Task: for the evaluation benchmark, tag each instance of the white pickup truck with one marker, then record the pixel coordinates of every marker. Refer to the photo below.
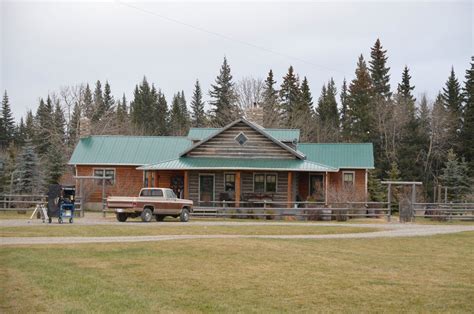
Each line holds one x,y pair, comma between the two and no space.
157,202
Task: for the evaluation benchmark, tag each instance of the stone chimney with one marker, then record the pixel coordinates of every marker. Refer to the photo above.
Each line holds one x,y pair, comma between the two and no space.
84,128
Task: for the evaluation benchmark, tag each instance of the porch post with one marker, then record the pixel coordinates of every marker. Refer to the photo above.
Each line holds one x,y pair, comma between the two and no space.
326,189
237,189
186,184
290,189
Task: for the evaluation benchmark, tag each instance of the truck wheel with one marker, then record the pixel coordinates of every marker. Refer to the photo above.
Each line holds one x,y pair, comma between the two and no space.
146,215
122,217
160,217
184,217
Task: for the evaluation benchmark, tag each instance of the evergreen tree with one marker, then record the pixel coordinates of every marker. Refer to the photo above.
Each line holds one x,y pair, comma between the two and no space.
98,102
30,125
327,107
289,96
405,88
148,115
26,182
55,163
467,133
122,111
379,71
359,104
374,187
44,126
455,176
271,110
7,128
345,117
108,99
10,165
161,114
74,126
59,123
198,115
88,103
224,97
452,98
303,112
177,117
20,134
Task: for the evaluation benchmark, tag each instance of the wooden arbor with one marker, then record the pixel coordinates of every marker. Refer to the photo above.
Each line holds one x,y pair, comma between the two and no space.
389,192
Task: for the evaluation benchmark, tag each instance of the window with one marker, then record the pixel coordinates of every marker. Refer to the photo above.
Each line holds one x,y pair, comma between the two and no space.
264,183
152,192
170,194
110,173
241,138
348,179
229,182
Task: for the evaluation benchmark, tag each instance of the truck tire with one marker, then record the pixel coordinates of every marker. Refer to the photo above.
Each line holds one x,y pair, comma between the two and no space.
122,217
159,217
146,215
184,217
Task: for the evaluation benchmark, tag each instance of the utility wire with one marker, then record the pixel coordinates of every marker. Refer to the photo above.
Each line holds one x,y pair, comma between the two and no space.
223,36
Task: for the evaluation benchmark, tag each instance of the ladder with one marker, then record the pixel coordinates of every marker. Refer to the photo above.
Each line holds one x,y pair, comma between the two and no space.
42,210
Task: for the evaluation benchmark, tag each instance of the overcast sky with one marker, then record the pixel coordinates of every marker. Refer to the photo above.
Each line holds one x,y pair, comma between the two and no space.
46,45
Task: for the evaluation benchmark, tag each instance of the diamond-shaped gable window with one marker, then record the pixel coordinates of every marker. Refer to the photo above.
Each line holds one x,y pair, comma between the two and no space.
241,138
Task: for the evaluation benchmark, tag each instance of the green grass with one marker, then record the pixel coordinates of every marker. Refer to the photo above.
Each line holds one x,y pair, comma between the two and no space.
420,274
168,229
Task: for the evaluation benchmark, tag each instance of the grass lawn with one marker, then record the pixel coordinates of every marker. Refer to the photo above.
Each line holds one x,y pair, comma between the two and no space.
167,229
419,274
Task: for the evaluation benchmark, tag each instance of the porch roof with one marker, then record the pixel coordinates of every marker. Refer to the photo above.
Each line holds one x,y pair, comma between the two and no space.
340,155
189,163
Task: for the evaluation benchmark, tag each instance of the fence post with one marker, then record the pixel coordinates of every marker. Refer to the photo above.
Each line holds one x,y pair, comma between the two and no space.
389,200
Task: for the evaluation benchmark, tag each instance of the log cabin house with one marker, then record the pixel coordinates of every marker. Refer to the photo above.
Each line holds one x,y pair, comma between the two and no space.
240,163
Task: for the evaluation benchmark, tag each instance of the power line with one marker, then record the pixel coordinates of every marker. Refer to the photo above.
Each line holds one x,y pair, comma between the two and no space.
226,37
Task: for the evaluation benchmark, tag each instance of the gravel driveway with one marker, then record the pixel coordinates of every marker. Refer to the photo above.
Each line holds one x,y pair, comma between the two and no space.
389,230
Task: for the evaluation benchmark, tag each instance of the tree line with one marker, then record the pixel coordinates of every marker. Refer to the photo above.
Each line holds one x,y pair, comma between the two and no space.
414,139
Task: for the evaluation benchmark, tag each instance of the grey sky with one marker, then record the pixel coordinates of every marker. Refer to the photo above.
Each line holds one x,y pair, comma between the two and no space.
46,45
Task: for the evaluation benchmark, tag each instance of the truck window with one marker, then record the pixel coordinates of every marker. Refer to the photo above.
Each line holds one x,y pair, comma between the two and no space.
145,193
170,194
157,193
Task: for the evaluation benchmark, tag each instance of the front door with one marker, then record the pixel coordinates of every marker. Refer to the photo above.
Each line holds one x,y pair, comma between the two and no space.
206,190
316,187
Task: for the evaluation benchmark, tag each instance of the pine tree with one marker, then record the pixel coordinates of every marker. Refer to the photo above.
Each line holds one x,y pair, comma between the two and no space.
30,125
161,114
198,115
10,166
271,110
405,88
20,134
55,164
289,97
8,123
224,97
88,103
360,105
176,116
147,112
327,107
44,126
394,172
28,177
374,187
467,133
59,123
303,112
379,71
98,102
452,98
455,177
122,111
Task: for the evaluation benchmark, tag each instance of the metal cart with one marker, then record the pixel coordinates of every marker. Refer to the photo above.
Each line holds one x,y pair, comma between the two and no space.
61,203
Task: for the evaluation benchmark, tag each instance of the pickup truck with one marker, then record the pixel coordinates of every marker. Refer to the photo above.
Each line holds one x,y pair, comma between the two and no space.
158,202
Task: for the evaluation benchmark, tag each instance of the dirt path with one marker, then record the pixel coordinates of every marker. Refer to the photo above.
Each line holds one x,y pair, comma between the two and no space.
391,230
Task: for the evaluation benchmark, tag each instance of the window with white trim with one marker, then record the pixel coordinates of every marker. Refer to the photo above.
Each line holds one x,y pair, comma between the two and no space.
348,179
110,173
229,182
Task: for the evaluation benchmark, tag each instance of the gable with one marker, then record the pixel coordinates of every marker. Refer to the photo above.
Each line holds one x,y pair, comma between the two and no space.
224,145
284,135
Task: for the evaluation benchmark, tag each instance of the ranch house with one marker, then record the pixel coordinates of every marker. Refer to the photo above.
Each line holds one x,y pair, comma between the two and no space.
239,163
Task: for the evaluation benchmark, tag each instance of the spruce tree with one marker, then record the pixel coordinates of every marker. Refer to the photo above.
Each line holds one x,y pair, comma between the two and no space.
108,99
122,111
98,102
467,133
30,125
345,117
327,107
303,112
8,123
198,115
26,182
224,109
55,163
271,110
20,134
289,97
88,103
161,114
359,104
455,177
452,98
44,126
379,71
176,116
74,126
148,115
405,88
59,123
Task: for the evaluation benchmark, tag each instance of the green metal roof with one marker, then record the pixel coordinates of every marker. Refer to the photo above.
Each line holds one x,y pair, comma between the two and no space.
341,155
127,150
284,135
190,163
